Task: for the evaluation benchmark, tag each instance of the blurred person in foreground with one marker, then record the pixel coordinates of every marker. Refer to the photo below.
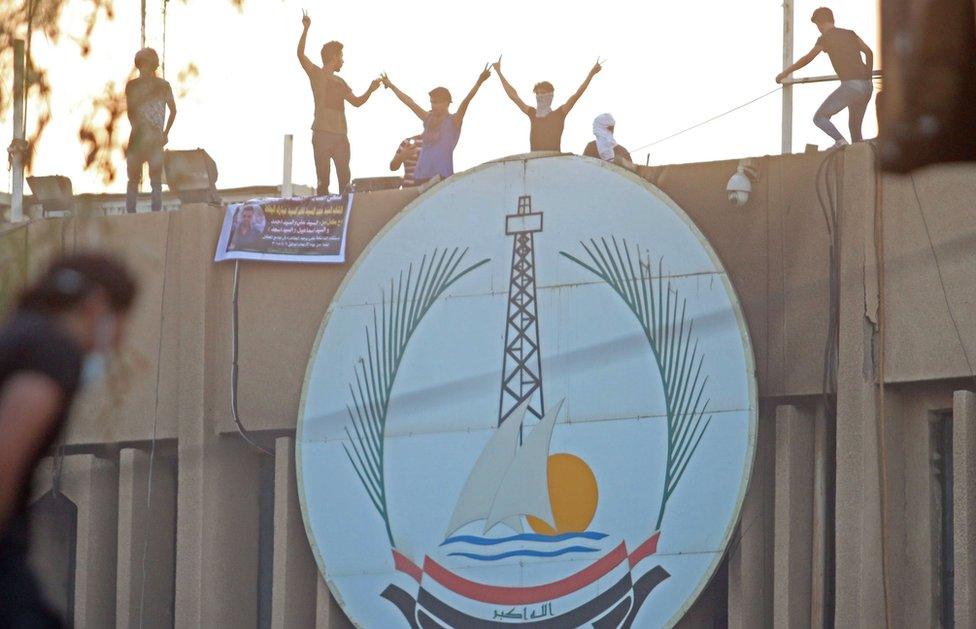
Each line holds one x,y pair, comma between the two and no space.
605,146
146,99
844,48
546,123
59,337
442,129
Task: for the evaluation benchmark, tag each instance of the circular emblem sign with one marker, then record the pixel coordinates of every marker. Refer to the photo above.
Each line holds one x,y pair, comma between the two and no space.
533,402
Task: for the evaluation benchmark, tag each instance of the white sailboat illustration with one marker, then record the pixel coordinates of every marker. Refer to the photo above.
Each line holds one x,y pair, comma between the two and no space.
508,482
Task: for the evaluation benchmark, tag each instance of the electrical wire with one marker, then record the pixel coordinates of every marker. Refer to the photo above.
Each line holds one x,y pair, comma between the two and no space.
145,543
58,463
235,369
882,377
152,446
705,122
735,543
826,197
57,466
938,268
828,206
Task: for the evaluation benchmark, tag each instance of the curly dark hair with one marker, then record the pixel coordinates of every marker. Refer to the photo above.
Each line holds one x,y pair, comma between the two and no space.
72,278
330,51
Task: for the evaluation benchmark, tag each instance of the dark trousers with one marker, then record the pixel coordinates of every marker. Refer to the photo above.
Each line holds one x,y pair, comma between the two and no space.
22,605
141,153
330,147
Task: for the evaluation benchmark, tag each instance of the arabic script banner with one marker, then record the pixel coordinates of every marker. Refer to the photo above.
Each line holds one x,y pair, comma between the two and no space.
309,229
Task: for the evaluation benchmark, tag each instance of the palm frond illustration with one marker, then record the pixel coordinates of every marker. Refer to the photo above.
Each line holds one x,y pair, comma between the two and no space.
402,307
670,333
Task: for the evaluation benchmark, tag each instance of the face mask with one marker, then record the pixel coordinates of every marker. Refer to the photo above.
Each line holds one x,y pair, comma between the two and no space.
95,366
543,104
93,369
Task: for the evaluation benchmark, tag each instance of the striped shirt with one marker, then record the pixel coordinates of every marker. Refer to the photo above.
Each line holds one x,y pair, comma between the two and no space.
408,153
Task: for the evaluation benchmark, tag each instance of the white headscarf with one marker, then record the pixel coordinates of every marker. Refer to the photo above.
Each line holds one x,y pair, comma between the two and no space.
604,137
543,104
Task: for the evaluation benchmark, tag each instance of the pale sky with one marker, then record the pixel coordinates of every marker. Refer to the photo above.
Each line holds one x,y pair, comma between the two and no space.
670,65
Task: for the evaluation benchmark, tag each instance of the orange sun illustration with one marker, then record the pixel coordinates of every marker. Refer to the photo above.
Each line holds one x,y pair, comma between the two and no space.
573,494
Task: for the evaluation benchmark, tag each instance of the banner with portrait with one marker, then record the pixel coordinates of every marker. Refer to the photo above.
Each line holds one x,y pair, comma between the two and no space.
311,229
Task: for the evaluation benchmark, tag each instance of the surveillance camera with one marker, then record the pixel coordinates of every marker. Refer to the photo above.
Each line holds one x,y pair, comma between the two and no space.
740,184
738,197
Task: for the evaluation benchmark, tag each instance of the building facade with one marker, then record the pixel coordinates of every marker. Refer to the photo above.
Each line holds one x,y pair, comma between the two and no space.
857,291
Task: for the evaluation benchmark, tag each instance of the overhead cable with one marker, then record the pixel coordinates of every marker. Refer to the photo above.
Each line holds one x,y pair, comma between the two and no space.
712,119
155,424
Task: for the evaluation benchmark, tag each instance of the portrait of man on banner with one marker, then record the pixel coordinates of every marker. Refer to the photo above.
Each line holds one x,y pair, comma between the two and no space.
249,224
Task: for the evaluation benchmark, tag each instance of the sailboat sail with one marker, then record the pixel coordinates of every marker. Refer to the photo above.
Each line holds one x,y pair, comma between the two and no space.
487,474
525,488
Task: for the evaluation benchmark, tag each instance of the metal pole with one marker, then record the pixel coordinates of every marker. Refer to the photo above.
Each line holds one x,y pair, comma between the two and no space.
165,6
17,190
787,86
825,78
286,188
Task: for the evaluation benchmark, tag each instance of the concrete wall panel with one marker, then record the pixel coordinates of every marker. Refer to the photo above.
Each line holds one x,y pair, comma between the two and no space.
792,586
931,287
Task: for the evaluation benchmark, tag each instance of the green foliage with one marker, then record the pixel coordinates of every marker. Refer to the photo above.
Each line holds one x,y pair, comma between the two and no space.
400,312
662,316
98,132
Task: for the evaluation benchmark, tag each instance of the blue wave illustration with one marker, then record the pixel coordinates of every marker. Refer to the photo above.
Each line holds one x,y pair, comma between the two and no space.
527,553
524,537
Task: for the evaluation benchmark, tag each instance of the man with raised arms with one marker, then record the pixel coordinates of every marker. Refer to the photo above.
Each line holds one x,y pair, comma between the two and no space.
546,129
330,139
442,129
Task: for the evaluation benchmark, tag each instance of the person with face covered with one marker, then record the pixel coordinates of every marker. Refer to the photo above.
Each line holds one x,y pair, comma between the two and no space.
330,139
546,130
63,329
442,129
605,146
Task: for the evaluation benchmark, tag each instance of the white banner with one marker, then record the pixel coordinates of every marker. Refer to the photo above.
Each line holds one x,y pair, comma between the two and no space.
310,230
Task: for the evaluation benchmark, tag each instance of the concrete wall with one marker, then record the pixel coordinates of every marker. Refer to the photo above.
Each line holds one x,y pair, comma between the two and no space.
816,483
